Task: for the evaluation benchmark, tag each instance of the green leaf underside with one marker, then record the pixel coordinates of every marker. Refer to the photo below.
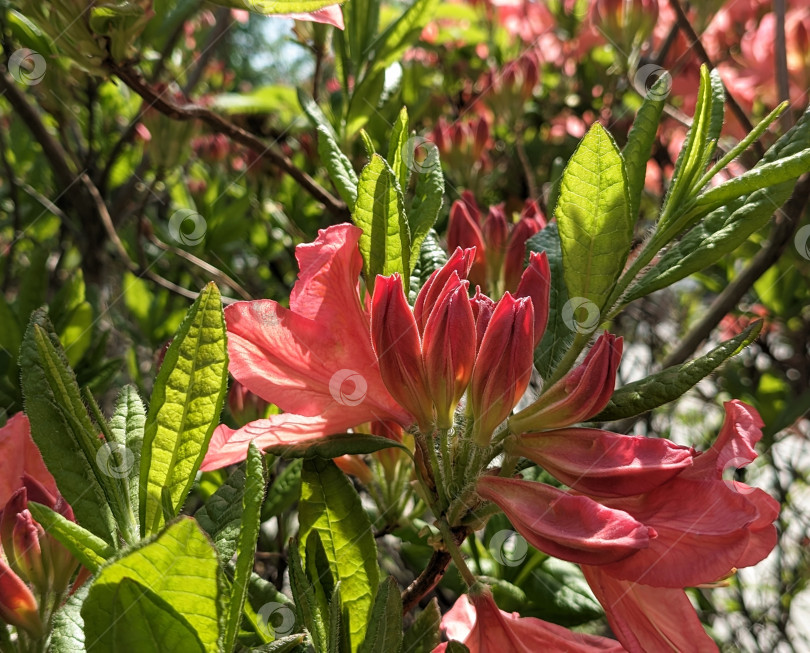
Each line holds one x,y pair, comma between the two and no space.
248,535
592,213
88,549
332,446
558,336
385,620
379,212
424,634
667,385
61,427
180,568
184,410
306,604
68,625
338,166
221,516
126,425
330,505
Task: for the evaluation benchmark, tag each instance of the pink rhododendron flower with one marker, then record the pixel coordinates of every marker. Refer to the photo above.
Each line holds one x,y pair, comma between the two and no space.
477,623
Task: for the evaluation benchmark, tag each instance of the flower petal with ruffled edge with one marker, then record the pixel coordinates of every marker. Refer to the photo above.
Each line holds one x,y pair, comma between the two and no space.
19,456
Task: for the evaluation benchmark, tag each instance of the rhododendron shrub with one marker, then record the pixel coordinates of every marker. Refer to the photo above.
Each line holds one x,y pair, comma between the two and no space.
429,441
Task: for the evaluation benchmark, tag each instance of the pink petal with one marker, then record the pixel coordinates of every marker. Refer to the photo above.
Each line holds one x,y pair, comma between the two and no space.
573,528
19,456
601,463
331,15
649,618
230,446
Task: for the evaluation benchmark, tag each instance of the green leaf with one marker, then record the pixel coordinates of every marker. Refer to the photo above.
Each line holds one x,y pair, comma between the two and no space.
362,18
558,336
396,146
284,491
248,535
401,34
62,429
67,635
330,505
332,446
306,603
180,569
428,195
379,212
275,7
336,628
595,227
364,101
129,616
338,166
126,426
456,647
385,620
640,141
221,516
424,634
88,549
721,232
184,409
283,645
431,257
667,385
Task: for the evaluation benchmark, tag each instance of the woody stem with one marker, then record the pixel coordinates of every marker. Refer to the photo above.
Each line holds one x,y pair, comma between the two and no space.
455,552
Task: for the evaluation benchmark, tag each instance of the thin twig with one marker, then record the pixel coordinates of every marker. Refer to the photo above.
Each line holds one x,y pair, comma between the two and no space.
222,23
780,60
786,223
689,31
161,101
432,574
14,196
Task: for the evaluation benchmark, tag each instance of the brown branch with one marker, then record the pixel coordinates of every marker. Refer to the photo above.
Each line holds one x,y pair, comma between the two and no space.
163,103
222,25
786,222
432,574
689,31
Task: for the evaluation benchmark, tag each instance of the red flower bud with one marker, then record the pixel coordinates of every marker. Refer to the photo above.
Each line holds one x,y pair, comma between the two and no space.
463,231
503,366
18,607
396,342
483,308
27,552
580,394
495,231
535,283
531,221
459,263
481,137
448,349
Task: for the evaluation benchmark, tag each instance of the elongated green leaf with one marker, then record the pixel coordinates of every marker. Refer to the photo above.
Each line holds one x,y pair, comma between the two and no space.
689,166
399,35
386,241
721,232
184,410
396,145
274,7
558,336
364,101
128,616
385,620
424,634
428,195
180,568
640,141
283,645
315,114
248,535
332,446
68,626
431,257
338,166
592,215
306,604
785,169
88,549
330,505
284,491
221,516
669,384
126,426
362,18
62,429
336,629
